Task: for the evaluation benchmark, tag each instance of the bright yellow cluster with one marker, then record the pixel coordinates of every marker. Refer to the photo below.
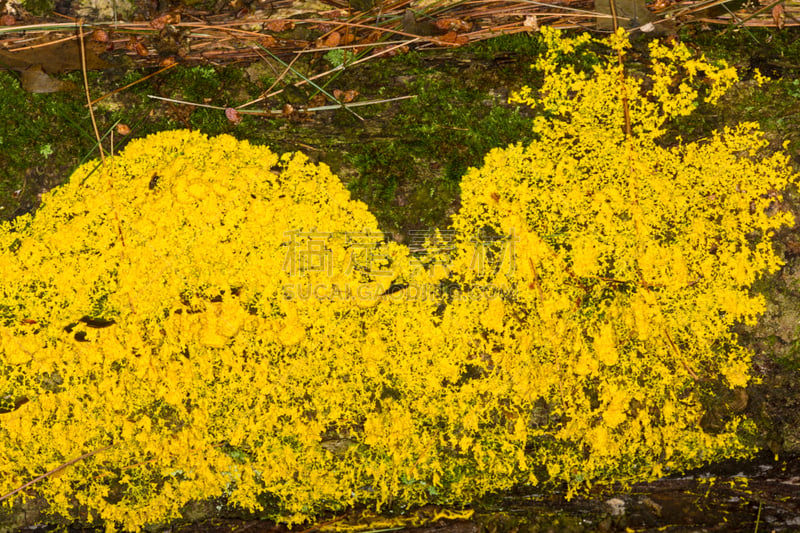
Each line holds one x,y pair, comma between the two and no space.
220,321
632,262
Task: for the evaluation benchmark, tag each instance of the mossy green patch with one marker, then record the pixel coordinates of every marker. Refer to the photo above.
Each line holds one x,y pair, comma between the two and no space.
404,160
418,148
39,7
42,136
456,117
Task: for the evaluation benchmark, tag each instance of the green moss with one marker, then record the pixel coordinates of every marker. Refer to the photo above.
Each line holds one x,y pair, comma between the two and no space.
41,136
444,131
39,7
740,45
412,184
517,43
414,153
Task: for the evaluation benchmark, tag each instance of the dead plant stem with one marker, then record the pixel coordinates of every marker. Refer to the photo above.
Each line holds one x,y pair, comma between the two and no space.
53,471
86,88
115,91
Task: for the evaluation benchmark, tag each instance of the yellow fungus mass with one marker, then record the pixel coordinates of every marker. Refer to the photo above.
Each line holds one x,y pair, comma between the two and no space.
215,320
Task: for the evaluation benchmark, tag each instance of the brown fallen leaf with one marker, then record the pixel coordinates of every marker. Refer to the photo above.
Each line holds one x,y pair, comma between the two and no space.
319,100
778,16
36,80
268,41
161,21
345,96
233,115
279,25
391,51
327,28
332,40
7,20
372,37
453,24
423,28
135,45
54,58
454,38
100,36
660,5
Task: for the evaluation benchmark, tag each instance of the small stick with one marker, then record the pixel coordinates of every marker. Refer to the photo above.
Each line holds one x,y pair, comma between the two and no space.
278,112
86,88
35,46
282,74
317,87
680,357
335,69
115,91
53,471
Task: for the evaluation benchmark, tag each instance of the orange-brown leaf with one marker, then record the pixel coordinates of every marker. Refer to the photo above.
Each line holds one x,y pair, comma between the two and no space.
280,25
778,16
372,37
101,36
268,41
345,96
454,38
233,115
453,24
333,39
349,95
135,45
159,22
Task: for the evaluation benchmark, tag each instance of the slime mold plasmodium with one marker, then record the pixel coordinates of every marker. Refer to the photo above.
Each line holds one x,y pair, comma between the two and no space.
218,321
